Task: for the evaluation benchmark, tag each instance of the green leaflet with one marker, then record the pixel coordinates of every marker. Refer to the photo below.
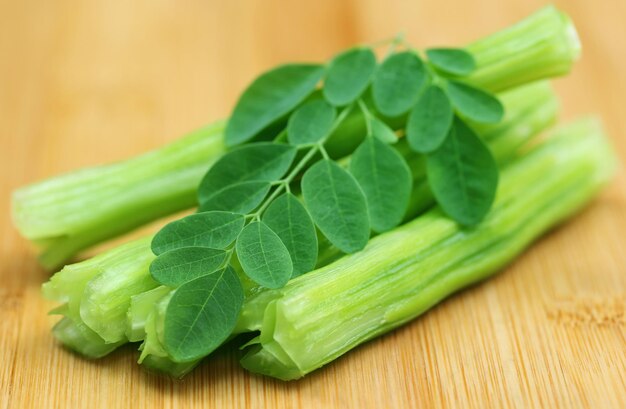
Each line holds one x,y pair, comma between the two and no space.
240,197
258,162
263,256
310,123
386,181
463,175
381,131
209,229
288,218
176,267
349,74
269,97
397,83
475,104
337,205
453,61
429,121
201,315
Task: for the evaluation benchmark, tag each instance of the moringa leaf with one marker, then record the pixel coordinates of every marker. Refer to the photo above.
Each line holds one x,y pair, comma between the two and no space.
258,162
463,175
269,97
209,229
310,123
386,180
397,83
429,120
263,256
349,74
176,267
475,104
289,219
337,205
382,131
201,315
455,61
241,197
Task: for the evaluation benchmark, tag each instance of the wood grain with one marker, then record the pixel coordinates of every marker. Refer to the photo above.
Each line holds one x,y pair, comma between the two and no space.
88,82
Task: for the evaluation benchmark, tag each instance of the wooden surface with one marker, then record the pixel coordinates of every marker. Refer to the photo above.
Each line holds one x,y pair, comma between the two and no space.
88,82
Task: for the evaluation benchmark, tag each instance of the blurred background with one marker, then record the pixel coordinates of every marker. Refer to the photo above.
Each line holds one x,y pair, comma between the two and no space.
90,82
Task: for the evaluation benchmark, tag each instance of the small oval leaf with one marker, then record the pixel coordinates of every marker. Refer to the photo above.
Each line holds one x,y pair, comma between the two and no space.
176,267
239,197
310,123
386,181
349,74
453,61
463,175
397,83
269,97
263,256
209,229
429,120
382,131
201,315
474,103
288,218
337,205
258,162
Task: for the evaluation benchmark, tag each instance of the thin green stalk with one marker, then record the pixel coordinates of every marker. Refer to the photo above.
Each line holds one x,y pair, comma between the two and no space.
541,46
71,212
401,274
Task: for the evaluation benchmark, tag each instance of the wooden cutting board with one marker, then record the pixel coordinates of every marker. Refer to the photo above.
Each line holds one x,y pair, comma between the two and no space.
88,82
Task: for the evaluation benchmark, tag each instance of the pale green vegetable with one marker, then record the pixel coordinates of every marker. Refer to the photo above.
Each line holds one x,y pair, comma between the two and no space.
401,274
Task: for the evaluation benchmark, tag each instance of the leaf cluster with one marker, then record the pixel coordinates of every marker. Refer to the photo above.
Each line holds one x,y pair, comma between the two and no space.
247,208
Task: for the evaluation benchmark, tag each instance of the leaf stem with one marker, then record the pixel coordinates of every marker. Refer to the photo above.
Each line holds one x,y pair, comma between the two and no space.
282,184
368,115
